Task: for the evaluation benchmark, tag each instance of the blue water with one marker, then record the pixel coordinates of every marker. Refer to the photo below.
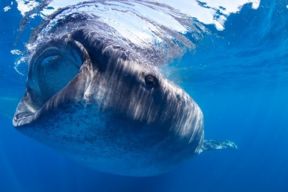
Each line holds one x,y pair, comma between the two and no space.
239,78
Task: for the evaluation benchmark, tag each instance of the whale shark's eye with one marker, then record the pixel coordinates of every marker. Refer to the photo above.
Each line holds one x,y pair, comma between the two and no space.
151,81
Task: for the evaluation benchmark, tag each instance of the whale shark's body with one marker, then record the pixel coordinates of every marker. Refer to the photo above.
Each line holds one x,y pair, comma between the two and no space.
103,101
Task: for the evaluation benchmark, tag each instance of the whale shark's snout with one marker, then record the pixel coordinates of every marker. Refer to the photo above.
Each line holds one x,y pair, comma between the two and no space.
101,104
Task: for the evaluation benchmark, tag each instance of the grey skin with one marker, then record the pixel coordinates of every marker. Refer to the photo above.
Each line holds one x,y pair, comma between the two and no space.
96,100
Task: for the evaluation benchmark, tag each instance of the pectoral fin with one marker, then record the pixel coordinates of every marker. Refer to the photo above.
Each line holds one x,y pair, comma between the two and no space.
209,145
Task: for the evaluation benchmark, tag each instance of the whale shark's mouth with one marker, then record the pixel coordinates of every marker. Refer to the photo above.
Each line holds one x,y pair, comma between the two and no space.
55,67
52,69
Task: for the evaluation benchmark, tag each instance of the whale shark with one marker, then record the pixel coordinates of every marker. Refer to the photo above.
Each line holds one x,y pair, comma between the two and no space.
97,94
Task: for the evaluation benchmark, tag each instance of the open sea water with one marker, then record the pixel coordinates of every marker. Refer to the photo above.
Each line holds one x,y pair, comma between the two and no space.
236,70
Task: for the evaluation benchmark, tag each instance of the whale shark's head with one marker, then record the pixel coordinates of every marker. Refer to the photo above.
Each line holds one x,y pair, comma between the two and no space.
98,100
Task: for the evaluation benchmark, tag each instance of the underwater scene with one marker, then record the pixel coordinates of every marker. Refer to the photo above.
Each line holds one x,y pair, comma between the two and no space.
143,95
